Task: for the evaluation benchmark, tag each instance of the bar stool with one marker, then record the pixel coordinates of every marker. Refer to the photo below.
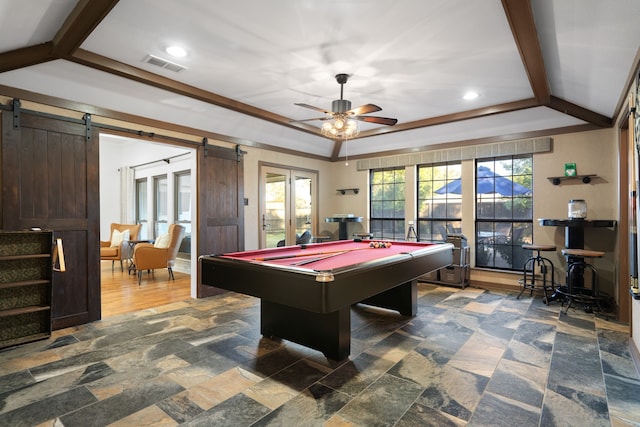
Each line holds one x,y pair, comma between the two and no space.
544,266
575,289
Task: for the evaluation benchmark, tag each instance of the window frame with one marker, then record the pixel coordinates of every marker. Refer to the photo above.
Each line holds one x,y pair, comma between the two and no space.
141,203
383,182
436,228
499,231
160,226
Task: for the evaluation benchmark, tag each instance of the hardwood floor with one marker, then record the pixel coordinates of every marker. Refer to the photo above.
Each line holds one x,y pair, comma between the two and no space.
121,294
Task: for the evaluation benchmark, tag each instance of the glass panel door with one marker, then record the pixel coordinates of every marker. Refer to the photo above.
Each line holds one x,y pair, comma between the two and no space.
161,215
303,213
182,216
274,215
287,206
142,216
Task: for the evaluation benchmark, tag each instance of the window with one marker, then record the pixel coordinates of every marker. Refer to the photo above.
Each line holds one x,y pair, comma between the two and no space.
387,188
141,207
504,211
182,183
161,216
439,201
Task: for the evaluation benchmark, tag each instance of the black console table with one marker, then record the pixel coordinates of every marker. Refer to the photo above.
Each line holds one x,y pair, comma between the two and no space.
574,239
574,229
342,224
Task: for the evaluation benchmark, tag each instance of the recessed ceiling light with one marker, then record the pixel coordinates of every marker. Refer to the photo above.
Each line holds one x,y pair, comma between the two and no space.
470,95
176,51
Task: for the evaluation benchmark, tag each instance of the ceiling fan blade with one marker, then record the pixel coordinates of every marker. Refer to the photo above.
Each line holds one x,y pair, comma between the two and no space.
379,120
364,109
313,108
309,120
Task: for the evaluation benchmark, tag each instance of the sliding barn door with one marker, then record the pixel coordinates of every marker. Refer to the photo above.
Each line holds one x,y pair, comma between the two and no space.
50,181
220,205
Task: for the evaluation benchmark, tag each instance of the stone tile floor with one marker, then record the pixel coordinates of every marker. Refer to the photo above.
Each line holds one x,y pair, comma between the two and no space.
470,357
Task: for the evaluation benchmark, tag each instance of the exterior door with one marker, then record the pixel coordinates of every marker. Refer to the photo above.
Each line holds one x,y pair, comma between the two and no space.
50,181
287,206
220,205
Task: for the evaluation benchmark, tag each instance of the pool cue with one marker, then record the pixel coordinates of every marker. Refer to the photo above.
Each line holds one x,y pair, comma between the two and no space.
320,258
272,258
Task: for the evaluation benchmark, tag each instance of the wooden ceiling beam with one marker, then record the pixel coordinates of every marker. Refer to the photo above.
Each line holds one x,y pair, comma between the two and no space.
455,117
578,112
25,57
82,20
117,68
523,26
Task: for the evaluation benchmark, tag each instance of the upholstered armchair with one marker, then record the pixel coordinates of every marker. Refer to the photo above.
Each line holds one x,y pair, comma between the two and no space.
161,254
117,248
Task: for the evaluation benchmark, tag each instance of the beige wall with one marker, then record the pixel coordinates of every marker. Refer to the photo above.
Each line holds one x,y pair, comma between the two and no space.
252,161
593,152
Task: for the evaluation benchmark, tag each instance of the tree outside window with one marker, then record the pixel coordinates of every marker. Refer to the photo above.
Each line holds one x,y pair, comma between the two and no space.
387,202
439,201
504,211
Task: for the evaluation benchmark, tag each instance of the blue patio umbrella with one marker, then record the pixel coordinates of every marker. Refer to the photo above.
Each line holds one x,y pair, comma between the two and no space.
488,182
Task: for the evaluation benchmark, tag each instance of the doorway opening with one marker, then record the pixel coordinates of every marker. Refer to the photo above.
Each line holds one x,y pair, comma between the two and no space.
288,206
151,184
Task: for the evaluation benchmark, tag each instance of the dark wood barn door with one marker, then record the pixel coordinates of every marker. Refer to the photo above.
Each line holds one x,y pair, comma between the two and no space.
220,205
50,181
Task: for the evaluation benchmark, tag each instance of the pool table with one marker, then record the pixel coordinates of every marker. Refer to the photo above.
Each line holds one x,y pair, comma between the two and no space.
307,291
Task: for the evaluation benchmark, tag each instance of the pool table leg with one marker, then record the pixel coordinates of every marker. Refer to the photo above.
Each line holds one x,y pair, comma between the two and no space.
329,333
402,298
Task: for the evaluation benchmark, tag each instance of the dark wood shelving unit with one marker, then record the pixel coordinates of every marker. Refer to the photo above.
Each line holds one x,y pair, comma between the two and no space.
26,269
556,180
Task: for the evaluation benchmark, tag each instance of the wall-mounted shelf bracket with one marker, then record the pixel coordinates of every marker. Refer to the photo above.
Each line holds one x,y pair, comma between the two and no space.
558,179
345,190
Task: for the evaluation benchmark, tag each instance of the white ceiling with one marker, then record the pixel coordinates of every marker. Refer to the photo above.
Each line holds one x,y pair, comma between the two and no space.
556,66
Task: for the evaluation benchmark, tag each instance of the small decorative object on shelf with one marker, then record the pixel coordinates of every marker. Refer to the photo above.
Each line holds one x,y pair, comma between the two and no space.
344,190
570,169
558,179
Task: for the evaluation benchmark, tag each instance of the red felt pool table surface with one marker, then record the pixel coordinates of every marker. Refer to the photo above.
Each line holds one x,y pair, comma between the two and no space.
328,255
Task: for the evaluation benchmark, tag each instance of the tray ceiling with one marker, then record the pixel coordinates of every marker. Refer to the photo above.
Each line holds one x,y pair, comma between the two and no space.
539,67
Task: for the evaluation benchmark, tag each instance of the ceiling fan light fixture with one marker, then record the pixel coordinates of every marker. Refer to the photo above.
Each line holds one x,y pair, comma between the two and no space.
340,126
343,120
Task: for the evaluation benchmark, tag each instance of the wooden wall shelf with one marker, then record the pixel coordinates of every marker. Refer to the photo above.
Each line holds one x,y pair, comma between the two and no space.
556,180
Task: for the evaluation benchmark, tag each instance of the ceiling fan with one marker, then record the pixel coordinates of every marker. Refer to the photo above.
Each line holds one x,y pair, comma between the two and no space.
340,121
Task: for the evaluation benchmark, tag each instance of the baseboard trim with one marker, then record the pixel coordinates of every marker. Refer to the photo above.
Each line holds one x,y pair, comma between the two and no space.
492,286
